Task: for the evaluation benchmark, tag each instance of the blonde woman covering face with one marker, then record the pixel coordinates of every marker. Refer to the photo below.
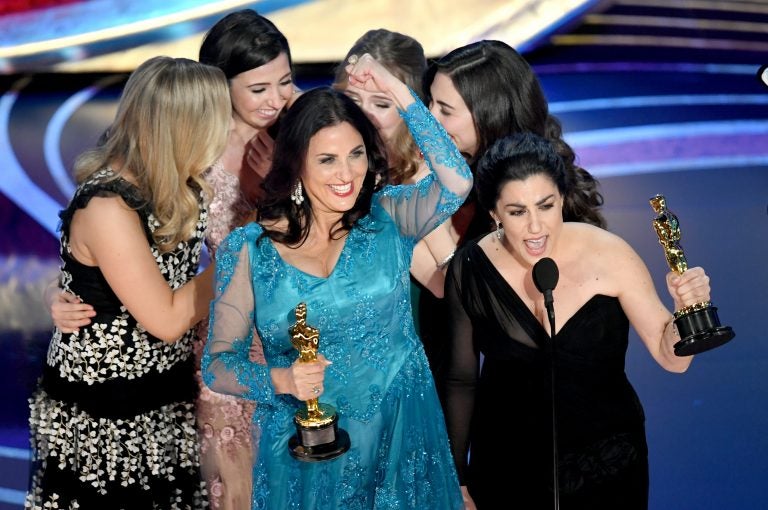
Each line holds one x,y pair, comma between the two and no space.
112,422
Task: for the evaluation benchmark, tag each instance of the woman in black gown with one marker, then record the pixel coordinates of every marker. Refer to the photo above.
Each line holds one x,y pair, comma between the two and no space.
503,414
481,92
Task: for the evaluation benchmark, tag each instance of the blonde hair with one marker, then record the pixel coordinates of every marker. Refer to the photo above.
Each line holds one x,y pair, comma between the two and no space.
171,125
403,56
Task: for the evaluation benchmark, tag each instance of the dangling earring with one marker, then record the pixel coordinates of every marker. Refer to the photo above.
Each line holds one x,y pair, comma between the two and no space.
499,231
297,195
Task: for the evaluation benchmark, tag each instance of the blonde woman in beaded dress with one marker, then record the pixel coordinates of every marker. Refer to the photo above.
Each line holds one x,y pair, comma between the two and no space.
112,420
255,57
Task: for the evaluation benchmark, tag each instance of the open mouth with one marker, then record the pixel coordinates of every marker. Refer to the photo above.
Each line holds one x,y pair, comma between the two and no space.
536,246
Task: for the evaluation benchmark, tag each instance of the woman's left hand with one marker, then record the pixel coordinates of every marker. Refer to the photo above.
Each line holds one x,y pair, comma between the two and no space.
689,288
68,311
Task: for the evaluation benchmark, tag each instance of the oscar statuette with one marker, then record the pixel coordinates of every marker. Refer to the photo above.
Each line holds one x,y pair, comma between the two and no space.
318,436
698,325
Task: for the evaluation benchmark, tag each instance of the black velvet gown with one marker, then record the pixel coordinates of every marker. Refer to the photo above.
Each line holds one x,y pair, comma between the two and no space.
499,399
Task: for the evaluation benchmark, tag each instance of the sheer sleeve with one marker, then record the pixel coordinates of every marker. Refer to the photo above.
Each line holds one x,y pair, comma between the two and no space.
462,371
419,208
226,365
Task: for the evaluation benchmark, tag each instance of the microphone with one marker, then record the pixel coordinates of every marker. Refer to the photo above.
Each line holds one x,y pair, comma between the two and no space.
545,276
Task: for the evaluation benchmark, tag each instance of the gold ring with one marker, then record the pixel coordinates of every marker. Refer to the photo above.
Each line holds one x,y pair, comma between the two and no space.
352,59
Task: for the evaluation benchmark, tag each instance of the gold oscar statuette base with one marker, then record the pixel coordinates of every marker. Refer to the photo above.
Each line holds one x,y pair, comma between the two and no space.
700,330
318,439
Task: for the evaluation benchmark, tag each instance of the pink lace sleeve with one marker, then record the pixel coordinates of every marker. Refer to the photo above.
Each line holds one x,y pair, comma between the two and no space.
228,206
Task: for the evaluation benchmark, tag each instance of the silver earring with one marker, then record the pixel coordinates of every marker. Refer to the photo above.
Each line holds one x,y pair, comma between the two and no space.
297,195
499,231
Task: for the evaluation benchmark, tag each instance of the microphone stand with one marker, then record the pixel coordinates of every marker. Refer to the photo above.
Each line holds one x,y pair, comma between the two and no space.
548,302
545,275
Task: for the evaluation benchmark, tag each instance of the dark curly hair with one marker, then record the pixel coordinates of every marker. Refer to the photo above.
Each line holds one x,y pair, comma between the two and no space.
314,110
517,157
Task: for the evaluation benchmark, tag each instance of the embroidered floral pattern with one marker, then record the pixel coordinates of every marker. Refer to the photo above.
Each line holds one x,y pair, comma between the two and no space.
87,454
441,197
432,139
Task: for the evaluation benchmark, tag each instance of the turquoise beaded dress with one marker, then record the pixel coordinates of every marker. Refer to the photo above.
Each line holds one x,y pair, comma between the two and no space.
379,382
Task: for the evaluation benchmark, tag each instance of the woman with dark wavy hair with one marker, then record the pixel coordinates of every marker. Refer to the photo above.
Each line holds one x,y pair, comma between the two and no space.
503,414
486,90
331,233
479,93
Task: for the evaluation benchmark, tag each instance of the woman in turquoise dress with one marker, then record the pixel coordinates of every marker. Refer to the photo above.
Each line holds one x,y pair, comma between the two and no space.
332,234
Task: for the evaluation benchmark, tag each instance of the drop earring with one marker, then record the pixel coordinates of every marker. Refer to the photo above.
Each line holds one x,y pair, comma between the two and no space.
297,195
499,231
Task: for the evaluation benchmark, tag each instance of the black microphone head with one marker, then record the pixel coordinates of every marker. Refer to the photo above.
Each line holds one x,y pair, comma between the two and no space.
545,274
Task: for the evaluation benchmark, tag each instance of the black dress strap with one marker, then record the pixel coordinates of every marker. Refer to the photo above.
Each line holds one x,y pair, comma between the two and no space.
106,183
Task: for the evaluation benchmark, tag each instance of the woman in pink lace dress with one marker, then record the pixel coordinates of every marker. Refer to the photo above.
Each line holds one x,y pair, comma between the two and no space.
256,60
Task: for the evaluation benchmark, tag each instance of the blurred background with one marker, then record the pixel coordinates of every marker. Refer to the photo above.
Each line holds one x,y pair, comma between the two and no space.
655,96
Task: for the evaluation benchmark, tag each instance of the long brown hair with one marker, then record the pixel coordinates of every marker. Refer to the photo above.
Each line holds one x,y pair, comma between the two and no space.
505,97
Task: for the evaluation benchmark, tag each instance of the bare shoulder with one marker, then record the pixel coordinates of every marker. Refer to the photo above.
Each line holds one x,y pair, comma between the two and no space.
104,227
588,238
599,251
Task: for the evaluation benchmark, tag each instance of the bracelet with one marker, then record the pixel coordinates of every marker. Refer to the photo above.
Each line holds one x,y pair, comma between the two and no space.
444,262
